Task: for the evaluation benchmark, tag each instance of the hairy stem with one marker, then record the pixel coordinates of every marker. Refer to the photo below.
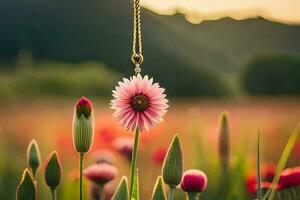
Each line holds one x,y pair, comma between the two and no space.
193,196
171,193
53,194
80,172
101,192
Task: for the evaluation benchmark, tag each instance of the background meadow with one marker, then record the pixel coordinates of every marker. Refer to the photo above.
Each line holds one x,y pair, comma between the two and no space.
53,52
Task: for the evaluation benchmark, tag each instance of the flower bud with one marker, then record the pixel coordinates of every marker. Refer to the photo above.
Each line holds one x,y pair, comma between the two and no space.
159,193
53,171
100,173
193,181
122,190
83,125
173,166
33,157
26,189
224,141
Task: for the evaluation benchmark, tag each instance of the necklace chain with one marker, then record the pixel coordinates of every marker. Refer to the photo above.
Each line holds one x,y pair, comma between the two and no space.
137,53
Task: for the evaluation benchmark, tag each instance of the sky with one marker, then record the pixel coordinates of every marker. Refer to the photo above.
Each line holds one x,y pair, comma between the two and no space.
196,11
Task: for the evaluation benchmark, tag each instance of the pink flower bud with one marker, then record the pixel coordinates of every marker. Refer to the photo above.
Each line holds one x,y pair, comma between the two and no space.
100,173
84,107
194,181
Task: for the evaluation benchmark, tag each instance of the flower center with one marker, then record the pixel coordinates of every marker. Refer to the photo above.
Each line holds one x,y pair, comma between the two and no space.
140,103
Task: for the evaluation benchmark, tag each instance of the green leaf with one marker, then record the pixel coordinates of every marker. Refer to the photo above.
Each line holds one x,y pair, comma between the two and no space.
282,162
135,191
159,193
173,164
122,190
26,189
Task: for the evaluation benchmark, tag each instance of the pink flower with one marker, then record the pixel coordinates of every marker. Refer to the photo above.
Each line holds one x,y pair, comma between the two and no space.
100,173
124,146
193,181
138,103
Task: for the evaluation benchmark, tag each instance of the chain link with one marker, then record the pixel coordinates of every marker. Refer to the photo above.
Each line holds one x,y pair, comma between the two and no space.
137,53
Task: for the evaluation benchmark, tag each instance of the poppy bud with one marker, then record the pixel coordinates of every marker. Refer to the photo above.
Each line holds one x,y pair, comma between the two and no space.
33,157
159,193
193,181
83,125
53,171
26,189
173,165
122,190
224,141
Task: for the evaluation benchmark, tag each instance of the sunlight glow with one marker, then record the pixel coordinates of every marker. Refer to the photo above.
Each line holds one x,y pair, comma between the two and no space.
196,11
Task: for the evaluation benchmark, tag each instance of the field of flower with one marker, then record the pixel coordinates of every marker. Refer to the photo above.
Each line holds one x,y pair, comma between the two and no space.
196,121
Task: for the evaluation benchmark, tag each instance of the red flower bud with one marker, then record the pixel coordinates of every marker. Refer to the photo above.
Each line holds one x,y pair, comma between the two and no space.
194,181
84,107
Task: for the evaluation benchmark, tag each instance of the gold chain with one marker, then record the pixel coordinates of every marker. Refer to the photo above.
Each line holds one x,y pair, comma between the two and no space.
137,57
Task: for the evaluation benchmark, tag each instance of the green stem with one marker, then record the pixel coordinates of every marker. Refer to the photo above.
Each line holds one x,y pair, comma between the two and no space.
134,159
101,192
193,196
171,193
53,194
80,177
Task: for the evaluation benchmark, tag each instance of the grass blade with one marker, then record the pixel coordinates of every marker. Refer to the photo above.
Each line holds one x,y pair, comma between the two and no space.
282,162
259,196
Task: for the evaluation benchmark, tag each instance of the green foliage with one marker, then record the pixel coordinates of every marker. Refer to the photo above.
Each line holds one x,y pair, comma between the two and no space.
58,79
273,74
33,156
26,189
158,192
173,164
53,171
122,190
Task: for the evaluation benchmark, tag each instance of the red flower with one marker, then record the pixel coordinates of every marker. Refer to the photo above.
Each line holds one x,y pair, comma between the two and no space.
268,171
159,155
193,181
290,177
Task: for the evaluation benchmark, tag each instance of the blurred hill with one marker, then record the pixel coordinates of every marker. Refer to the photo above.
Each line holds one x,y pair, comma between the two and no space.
184,57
